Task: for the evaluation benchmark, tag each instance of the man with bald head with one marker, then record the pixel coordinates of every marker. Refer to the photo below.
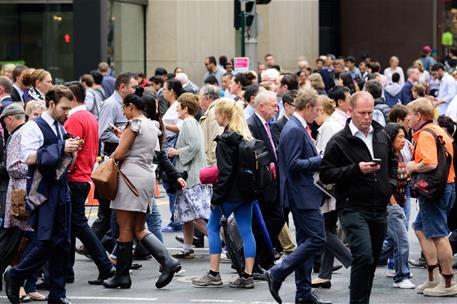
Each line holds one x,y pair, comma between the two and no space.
357,161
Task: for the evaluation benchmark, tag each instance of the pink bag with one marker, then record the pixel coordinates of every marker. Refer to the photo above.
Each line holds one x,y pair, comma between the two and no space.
208,175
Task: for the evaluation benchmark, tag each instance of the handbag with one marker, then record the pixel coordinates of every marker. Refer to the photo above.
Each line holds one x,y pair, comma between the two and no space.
431,184
105,178
18,210
208,175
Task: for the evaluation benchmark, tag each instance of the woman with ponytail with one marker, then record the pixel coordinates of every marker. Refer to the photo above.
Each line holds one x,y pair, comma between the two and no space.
227,198
135,157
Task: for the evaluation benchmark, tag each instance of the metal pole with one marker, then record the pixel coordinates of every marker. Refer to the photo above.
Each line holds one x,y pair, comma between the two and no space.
242,33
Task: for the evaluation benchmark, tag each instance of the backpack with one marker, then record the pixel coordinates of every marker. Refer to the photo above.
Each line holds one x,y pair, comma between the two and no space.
254,173
431,184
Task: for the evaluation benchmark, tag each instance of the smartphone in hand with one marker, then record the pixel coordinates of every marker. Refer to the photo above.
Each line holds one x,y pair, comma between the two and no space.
377,161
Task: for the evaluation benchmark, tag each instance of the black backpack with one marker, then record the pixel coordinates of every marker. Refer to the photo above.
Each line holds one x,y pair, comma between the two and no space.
254,173
431,184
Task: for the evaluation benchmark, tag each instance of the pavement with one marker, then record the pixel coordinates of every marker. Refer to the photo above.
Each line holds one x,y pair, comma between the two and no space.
180,290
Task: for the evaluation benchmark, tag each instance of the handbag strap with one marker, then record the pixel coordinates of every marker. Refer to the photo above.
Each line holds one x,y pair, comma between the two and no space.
127,181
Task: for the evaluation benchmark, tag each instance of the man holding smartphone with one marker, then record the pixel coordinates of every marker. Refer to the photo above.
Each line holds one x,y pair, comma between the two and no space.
358,161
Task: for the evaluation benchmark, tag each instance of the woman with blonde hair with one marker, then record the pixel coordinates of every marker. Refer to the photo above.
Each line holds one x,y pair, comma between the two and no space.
34,108
227,198
317,83
424,77
39,80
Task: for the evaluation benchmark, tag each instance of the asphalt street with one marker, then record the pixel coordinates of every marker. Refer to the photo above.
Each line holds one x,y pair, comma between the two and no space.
182,291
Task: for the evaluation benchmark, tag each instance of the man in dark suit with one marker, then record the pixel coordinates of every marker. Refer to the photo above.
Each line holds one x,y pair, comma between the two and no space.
298,161
18,86
289,108
266,107
48,153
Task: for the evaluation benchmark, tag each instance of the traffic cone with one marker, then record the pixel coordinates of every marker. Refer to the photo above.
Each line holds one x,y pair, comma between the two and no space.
91,201
157,189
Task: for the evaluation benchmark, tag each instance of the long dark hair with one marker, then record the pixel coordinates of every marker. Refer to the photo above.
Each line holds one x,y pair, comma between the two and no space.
392,129
151,111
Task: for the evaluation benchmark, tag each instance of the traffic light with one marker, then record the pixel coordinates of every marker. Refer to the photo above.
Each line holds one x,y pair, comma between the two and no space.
250,12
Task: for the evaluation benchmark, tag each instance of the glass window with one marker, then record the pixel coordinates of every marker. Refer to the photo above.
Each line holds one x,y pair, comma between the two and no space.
39,35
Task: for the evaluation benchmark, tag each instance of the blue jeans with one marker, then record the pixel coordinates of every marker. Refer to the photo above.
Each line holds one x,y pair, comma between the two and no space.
432,216
154,221
398,236
30,282
243,217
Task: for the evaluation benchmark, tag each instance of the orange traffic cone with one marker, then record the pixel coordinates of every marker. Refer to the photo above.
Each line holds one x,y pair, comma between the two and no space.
157,189
91,201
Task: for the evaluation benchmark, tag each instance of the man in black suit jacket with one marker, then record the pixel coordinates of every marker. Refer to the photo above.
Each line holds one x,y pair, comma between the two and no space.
18,86
289,108
266,107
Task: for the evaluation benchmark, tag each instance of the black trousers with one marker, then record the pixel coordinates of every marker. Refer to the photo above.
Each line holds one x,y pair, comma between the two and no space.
365,232
273,216
80,229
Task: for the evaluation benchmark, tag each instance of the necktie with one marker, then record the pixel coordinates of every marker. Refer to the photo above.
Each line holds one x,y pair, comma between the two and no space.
56,125
308,129
267,128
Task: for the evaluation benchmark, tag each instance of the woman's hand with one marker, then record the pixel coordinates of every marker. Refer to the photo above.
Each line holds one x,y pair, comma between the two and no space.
117,131
182,182
172,152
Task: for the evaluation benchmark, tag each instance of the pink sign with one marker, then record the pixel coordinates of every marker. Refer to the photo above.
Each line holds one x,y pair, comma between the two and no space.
241,64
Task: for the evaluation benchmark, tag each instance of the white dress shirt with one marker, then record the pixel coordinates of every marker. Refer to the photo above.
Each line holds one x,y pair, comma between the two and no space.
32,137
368,140
447,91
301,119
21,92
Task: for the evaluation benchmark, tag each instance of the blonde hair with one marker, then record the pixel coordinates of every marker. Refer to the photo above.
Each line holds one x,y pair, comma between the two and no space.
422,106
419,65
316,81
33,105
328,105
233,111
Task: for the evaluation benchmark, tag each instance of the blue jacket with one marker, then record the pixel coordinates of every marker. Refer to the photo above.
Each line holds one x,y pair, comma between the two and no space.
298,161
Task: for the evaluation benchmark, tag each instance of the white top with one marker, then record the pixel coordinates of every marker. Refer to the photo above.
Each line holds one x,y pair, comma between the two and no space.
447,91
389,72
171,118
77,109
368,140
330,127
32,137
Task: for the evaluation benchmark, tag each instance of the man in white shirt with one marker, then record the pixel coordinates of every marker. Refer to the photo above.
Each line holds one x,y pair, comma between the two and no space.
447,90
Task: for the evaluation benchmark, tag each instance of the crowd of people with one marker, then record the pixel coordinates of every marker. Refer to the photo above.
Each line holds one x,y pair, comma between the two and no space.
346,144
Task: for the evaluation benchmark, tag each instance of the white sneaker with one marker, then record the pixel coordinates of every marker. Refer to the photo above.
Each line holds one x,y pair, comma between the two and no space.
390,273
429,284
404,284
181,273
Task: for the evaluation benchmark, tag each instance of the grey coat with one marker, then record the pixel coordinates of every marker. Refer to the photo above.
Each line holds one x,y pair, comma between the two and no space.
191,151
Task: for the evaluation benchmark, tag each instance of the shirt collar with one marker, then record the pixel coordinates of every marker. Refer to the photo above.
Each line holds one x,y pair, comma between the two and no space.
77,109
261,118
354,129
301,119
117,97
50,121
5,97
18,88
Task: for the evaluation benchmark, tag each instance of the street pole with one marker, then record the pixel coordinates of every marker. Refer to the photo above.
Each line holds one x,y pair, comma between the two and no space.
243,33
251,39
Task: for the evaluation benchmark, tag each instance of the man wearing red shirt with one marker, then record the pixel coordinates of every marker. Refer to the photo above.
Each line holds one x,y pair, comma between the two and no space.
83,125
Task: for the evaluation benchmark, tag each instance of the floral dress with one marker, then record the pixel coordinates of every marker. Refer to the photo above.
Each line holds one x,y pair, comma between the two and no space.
17,171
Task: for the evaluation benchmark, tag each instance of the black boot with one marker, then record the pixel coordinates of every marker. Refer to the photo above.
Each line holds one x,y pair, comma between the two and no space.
12,289
158,250
124,259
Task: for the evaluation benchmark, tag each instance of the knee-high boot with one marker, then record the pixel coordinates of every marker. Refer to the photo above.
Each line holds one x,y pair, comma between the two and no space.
124,259
158,250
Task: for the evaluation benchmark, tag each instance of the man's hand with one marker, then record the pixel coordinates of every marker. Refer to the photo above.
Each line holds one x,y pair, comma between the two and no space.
71,145
368,167
392,200
411,167
172,152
